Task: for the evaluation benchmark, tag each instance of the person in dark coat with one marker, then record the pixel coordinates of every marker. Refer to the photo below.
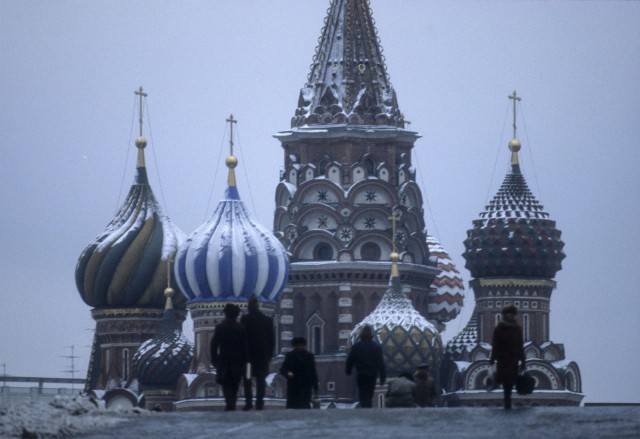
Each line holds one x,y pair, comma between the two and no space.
424,394
229,354
299,368
507,351
261,341
366,356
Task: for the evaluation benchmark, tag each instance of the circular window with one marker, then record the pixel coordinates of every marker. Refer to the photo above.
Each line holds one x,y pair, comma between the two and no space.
370,251
323,252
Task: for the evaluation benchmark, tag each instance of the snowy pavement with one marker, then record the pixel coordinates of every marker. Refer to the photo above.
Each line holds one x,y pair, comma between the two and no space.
80,419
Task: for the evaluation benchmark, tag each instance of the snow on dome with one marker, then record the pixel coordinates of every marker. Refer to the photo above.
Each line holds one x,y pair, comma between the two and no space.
514,236
445,304
407,338
230,257
162,359
466,339
126,265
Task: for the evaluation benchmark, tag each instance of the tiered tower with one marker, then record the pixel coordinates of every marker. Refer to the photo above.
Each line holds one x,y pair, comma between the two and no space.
122,275
513,253
347,167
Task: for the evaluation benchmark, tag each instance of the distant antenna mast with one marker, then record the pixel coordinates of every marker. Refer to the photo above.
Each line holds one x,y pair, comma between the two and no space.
72,359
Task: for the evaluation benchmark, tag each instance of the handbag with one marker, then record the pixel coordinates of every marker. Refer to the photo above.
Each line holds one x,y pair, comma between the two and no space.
525,384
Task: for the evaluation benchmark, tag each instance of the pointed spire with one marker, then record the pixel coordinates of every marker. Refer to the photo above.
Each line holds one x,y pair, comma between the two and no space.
348,82
514,143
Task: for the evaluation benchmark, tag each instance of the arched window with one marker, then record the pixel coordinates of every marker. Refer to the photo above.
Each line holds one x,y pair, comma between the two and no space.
323,252
370,251
125,364
525,327
316,342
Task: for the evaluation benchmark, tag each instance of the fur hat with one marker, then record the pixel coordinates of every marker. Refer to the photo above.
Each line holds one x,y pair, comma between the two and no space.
509,310
231,311
299,341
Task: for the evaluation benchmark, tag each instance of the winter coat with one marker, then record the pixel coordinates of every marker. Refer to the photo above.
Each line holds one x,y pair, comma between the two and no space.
400,393
366,356
507,350
302,364
261,341
424,393
229,351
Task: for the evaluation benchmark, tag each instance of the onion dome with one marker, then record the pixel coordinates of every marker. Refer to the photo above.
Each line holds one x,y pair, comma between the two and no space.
448,299
514,235
126,265
348,82
466,339
231,257
162,359
407,338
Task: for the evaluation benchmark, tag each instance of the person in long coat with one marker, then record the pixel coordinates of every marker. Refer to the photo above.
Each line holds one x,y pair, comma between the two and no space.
261,341
507,351
229,354
299,368
367,358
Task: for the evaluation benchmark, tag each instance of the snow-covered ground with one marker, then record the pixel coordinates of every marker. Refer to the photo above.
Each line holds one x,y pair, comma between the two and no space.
79,417
62,417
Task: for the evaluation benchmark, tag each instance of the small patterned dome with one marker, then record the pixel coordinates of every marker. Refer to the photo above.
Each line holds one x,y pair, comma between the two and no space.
126,265
514,236
465,339
407,338
162,359
231,257
448,300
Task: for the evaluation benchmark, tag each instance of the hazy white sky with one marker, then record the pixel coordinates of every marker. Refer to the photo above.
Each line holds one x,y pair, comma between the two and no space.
68,70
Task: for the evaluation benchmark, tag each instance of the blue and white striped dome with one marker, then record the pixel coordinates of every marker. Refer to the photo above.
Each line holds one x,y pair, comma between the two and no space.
230,257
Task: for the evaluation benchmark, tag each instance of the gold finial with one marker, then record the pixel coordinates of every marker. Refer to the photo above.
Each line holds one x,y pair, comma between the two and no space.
394,218
168,292
141,142
231,161
514,143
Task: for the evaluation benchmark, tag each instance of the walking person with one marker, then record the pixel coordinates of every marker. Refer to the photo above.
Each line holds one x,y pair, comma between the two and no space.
261,342
229,354
367,358
424,393
299,368
507,350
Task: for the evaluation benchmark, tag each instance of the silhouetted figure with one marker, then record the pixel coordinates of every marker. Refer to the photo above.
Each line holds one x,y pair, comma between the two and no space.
400,391
229,354
425,393
299,368
507,351
261,341
366,356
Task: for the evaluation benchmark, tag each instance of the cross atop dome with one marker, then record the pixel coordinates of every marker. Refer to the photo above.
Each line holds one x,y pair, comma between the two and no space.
514,143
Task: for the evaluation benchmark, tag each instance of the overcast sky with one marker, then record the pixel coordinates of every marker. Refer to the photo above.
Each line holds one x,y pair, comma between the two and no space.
69,69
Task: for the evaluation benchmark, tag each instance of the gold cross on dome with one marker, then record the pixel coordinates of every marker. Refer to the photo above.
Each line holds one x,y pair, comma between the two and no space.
394,218
231,121
142,94
515,99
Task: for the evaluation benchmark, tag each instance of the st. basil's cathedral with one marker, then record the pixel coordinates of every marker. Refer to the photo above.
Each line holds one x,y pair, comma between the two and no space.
349,247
